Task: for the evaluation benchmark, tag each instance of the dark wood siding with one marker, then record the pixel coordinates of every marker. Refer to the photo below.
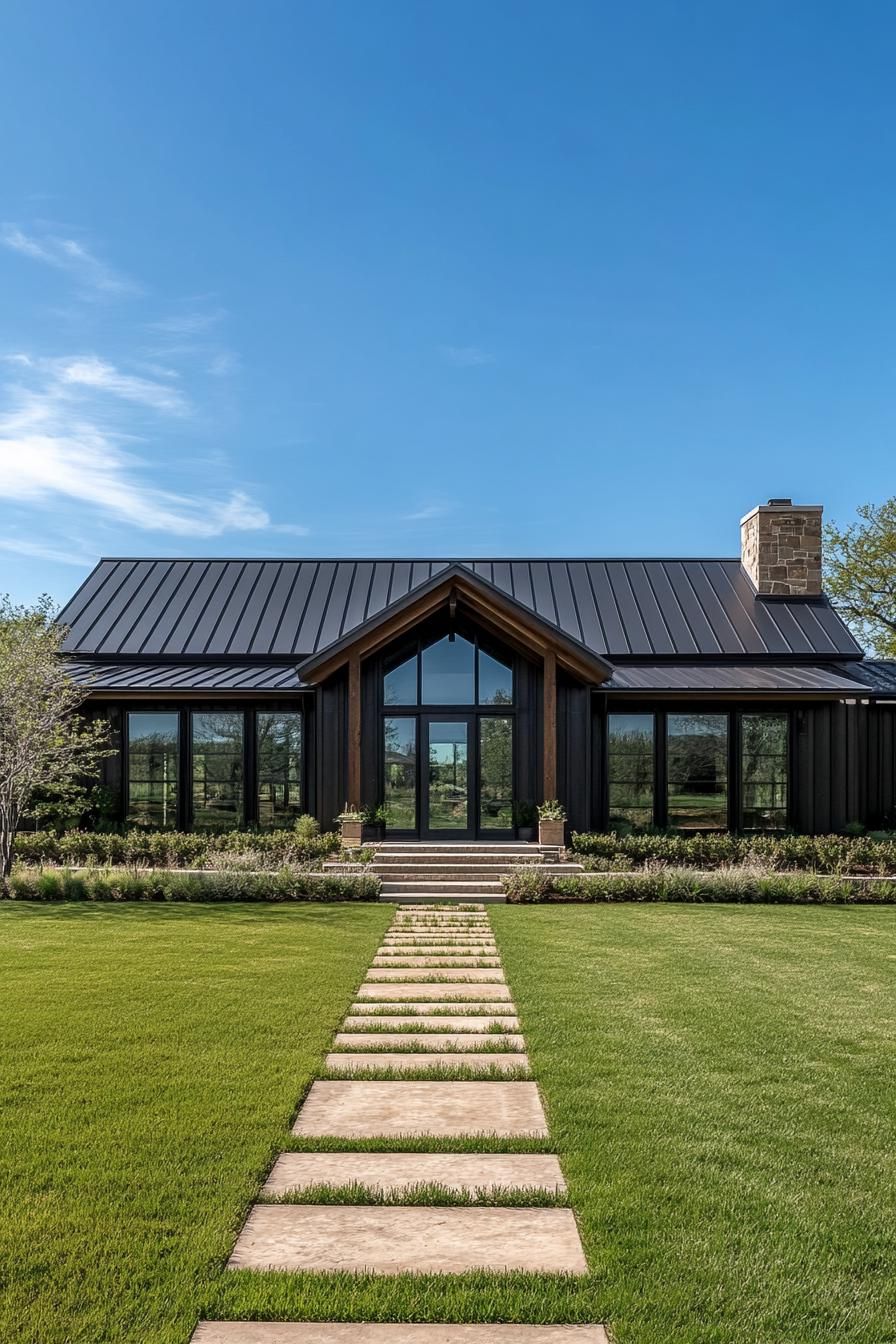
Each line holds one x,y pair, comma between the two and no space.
880,763
331,749
574,751
830,775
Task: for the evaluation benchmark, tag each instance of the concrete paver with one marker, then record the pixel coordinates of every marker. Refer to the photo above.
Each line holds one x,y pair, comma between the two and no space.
361,1109
396,990
387,1239
312,1332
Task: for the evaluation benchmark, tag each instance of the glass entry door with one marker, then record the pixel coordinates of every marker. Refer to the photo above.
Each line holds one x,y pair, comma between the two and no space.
447,778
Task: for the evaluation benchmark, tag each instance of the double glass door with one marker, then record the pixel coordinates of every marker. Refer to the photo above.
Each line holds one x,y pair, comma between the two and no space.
449,776
467,775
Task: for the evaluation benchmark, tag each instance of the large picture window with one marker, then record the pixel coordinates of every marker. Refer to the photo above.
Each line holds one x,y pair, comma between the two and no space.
630,767
217,769
495,773
278,737
153,753
400,773
697,765
764,766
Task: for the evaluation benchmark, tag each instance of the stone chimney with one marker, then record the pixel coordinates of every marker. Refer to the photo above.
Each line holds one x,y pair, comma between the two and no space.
780,548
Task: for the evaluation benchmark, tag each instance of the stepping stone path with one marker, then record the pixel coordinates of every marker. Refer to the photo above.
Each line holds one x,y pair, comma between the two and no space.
418,1018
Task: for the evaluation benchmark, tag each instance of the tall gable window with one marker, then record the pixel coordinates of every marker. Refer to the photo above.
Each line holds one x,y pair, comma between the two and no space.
400,683
449,671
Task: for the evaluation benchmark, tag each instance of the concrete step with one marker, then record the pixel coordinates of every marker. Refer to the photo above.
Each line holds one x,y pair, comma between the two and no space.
443,887
458,871
400,898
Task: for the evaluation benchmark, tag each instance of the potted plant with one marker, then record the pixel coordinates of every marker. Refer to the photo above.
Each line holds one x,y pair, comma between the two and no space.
351,824
524,820
551,823
375,819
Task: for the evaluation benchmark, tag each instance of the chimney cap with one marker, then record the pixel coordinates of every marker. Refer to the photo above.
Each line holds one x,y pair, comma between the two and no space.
785,501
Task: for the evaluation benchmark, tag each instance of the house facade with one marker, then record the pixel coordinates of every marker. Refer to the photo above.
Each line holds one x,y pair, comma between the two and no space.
455,695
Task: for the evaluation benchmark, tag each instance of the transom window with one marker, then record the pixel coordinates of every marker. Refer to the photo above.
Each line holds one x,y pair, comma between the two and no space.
452,670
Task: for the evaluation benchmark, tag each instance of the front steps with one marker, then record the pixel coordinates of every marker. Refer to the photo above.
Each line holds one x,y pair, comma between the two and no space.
444,872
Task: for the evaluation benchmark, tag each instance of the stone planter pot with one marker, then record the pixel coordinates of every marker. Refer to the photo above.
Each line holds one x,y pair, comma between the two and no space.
551,832
351,833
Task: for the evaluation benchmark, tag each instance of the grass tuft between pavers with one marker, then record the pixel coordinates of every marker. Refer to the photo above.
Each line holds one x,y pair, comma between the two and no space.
524,1197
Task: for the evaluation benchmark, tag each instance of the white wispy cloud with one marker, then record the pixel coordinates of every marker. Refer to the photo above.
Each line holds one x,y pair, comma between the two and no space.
427,512
67,254
466,356
36,551
89,371
58,444
192,321
82,435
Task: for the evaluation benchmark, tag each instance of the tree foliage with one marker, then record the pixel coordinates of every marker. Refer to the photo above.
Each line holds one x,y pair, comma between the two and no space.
48,751
860,575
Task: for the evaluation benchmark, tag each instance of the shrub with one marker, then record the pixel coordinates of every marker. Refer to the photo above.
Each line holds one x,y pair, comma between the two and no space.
107,884
179,849
734,885
834,854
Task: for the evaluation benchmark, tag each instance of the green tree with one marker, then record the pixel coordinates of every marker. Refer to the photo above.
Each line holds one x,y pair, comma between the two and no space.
48,750
860,575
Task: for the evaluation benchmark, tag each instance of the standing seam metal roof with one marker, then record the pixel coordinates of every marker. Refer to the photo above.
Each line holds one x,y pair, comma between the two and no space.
186,608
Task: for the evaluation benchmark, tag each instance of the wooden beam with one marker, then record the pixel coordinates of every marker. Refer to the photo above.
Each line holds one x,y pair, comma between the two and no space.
353,776
549,727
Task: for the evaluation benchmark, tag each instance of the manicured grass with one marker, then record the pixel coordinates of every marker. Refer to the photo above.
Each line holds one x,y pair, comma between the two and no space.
720,1083
721,1086
152,1058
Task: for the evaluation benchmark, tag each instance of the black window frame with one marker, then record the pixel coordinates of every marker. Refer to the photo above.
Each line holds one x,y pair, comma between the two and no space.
414,646
661,710
184,709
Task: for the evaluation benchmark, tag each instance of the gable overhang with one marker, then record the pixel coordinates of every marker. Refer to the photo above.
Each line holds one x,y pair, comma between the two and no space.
459,589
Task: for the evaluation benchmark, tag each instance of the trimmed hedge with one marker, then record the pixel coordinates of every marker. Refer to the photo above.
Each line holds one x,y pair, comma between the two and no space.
174,849
741,886
288,884
814,853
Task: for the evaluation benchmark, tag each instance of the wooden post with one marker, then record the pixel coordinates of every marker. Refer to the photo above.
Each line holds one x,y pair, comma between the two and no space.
353,778
549,726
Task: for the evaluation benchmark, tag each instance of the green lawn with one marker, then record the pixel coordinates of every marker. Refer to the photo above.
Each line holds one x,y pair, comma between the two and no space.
720,1083
152,1058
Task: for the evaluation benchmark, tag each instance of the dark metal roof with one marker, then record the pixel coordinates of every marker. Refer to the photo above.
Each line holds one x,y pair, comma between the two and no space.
879,674
144,608
710,677
236,677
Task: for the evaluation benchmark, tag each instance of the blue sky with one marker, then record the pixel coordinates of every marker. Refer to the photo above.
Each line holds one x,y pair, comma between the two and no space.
438,278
